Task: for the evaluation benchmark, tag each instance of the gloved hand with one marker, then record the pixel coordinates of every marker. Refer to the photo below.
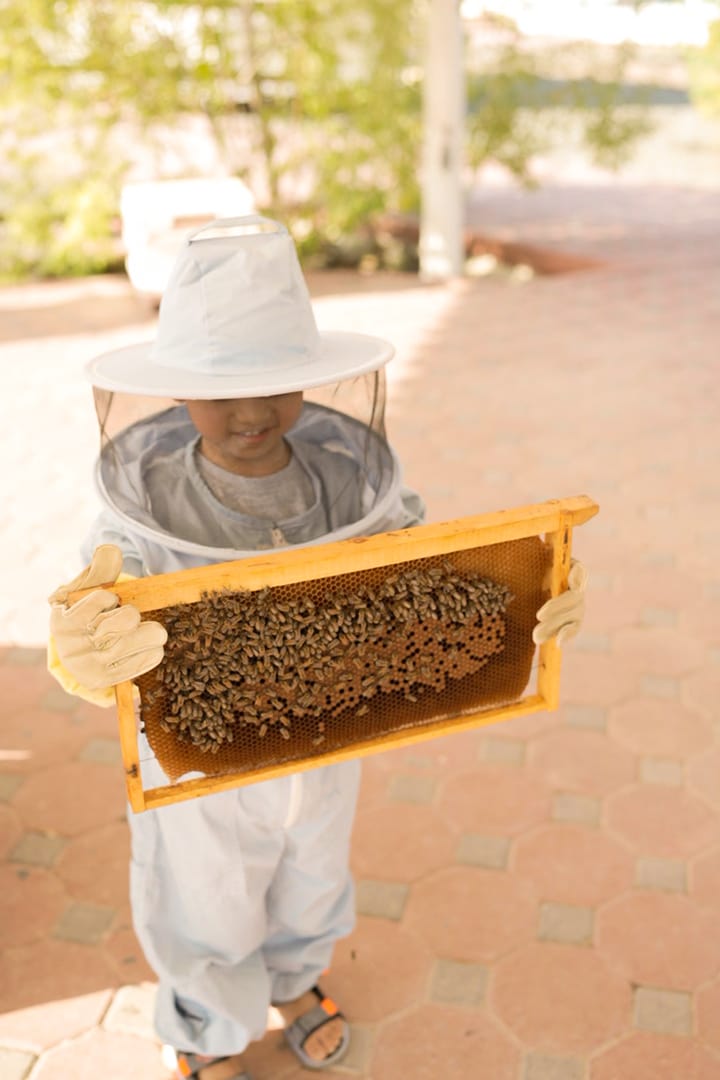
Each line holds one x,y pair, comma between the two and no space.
561,617
97,641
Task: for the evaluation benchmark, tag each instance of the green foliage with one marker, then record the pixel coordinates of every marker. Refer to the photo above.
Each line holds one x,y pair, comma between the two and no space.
523,104
508,121
611,124
58,230
316,103
331,125
704,70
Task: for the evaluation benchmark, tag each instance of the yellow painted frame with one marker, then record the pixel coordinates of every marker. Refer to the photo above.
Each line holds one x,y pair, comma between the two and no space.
554,519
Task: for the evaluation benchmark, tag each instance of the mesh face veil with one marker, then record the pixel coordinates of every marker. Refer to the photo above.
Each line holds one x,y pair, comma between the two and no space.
149,461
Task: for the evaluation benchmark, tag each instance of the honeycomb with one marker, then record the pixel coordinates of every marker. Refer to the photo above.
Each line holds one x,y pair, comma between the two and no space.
285,674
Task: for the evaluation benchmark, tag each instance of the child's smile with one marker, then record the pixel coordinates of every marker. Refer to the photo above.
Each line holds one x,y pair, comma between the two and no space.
246,435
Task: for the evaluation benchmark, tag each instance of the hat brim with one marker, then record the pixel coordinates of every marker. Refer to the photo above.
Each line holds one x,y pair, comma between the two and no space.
341,355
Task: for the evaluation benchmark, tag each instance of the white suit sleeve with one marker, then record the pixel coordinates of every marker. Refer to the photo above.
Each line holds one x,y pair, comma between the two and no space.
413,509
106,530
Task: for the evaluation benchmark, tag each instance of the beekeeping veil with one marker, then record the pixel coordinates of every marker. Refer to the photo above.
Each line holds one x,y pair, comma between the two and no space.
236,322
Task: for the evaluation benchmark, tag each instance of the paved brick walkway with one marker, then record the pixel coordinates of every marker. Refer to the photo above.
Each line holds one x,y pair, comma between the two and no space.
538,900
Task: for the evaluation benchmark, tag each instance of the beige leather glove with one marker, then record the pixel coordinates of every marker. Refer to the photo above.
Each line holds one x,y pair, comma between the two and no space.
98,642
562,616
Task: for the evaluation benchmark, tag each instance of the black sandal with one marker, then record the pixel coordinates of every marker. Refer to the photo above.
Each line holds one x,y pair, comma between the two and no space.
311,1021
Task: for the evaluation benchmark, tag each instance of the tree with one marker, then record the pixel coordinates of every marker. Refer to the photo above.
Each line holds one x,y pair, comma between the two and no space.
315,102
524,100
704,66
280,85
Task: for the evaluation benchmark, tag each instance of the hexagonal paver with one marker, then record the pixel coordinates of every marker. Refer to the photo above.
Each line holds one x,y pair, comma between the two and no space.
495,799
660,586
573,865
647,1056
679,947
10,830
43,738
528,727
56,700
701,690
404,842
582,761
441,1040
560,998
72,798
93,720
703,772
60,969
102,751
31,900
360,967
605,614
707,1008
661,821
596,679
659,728
122,950
699,617
445,754
21,691
9,784
466,913
373,782
658,650
95,867
705,878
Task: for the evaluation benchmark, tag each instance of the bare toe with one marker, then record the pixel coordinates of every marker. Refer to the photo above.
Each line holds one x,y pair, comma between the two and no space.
324,1027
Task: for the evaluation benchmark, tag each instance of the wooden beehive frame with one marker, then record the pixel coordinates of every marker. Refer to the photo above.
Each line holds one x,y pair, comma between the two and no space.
554,519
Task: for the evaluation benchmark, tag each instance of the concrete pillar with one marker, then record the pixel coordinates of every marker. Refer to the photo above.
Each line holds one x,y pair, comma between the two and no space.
442,211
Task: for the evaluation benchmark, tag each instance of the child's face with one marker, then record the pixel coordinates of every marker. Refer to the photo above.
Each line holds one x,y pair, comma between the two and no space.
246,435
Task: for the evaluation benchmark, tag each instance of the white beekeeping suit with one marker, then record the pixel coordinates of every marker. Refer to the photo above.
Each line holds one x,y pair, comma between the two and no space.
239,897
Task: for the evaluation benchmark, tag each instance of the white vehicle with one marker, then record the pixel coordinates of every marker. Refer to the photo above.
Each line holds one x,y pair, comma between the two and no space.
157,215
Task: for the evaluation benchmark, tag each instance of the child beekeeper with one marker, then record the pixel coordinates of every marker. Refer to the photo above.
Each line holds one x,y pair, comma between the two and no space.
241,428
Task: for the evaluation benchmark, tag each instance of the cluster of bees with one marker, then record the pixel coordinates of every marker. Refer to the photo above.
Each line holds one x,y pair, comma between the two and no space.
257,663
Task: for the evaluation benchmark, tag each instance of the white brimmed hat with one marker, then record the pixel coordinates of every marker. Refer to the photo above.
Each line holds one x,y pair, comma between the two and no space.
236,321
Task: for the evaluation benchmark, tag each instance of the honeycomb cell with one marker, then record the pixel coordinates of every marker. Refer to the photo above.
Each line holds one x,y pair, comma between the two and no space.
254,679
